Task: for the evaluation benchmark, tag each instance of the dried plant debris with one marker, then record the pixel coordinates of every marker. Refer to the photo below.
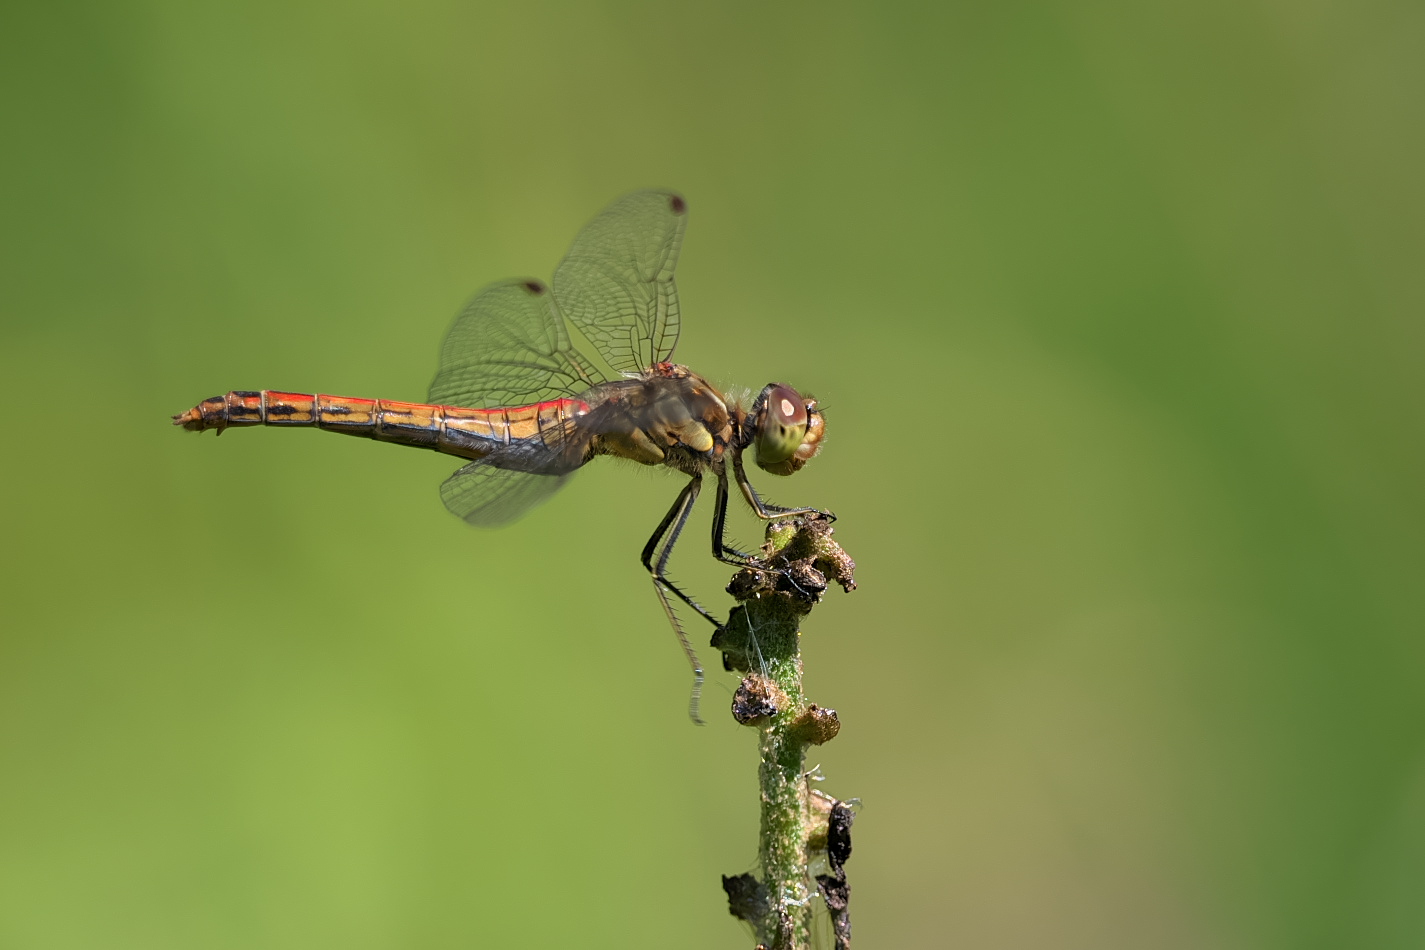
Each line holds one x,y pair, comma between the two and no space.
746,898
797,560
835,889
816,724
757,700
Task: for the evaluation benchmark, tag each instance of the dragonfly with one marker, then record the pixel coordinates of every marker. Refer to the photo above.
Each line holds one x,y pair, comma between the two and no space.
536,380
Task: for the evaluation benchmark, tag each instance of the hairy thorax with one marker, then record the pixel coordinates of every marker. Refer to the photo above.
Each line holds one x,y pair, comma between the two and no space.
666,416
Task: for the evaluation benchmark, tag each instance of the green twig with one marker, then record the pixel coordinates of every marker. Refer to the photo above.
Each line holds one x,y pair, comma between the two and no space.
762,638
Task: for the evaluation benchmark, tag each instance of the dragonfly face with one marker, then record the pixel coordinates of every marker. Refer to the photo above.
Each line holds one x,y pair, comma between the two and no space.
526,406
788,429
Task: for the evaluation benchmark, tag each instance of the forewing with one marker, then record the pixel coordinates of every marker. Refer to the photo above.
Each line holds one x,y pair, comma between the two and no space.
509,347
488,496
616,283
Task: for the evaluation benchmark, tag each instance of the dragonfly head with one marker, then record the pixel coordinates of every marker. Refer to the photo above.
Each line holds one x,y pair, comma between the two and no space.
788,429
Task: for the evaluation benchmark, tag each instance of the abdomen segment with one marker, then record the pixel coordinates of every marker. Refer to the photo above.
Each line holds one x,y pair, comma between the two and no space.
469,433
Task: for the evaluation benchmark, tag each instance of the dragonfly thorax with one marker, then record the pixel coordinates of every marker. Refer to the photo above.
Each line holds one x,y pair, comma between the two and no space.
668,415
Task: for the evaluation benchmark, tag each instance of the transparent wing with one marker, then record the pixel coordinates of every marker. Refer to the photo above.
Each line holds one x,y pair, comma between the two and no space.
509,347
515,477
616,283
486,495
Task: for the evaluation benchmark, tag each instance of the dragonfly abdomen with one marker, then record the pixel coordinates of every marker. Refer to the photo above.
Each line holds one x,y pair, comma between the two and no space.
469,433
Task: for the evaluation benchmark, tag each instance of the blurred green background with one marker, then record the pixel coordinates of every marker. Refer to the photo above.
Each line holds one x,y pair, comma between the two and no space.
1116,309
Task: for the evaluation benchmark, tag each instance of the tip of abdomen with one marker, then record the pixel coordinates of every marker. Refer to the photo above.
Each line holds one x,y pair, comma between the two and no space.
191,420
208,414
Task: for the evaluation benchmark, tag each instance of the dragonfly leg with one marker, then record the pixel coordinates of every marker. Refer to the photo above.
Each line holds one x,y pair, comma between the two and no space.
729,555
720,548
661,544
765,510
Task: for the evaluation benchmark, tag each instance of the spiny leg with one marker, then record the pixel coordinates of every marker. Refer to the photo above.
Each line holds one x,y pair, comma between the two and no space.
730,555
671,526
720,548
765,510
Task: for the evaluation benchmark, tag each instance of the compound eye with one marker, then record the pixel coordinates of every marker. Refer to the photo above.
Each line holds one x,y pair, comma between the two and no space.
781,425
786,407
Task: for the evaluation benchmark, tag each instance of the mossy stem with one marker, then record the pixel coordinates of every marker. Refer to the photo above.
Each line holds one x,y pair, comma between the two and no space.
763,636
